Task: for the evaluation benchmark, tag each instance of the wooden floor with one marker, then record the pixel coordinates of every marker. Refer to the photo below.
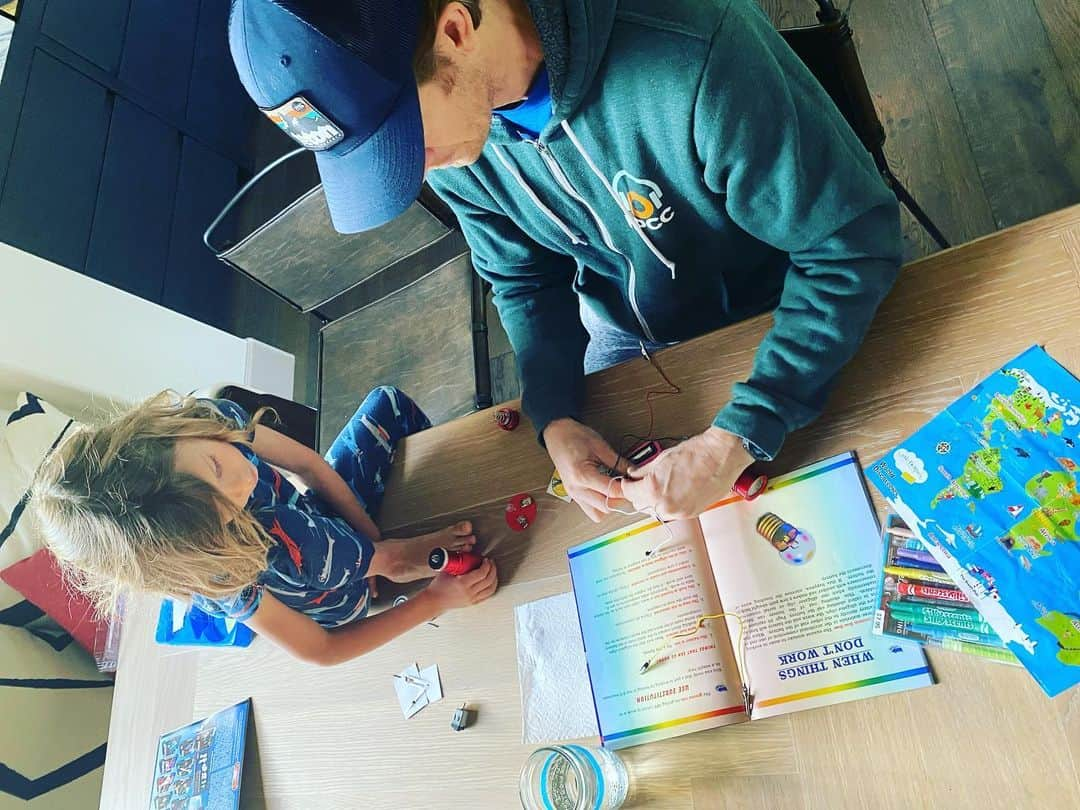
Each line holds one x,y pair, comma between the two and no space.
980,100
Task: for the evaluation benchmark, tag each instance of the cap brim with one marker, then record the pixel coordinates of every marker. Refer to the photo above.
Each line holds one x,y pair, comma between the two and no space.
379,179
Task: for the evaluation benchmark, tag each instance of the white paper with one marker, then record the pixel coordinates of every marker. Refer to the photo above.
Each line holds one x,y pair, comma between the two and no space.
431,676
556,699
179,614
417,688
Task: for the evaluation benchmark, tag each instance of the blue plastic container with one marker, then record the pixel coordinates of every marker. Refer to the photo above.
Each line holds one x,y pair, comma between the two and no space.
200,629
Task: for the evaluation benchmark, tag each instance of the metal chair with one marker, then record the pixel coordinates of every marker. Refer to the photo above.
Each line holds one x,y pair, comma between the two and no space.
828,50
412,279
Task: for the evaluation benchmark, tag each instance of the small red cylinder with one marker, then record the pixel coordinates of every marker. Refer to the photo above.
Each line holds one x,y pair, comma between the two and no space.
454,563
750,485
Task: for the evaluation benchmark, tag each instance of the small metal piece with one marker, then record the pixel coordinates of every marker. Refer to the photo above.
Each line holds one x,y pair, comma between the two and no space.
463,718
748,700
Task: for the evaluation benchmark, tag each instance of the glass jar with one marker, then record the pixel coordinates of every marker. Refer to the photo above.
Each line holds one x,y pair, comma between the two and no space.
573,777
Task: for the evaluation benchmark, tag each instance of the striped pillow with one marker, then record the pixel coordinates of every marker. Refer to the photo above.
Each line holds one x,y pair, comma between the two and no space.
32,429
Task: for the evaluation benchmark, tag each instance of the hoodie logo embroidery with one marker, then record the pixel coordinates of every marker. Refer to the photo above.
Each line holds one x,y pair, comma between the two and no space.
642,201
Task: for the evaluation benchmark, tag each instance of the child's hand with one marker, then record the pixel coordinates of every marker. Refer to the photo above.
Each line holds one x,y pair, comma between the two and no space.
472,588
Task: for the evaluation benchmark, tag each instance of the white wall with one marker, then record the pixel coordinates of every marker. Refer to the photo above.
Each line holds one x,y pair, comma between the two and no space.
84,345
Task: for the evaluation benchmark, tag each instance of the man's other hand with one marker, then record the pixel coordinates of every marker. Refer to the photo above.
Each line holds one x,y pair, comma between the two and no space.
582,458
688,478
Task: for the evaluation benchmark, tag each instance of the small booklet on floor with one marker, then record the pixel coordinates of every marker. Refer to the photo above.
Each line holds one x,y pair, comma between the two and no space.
790,583
199,766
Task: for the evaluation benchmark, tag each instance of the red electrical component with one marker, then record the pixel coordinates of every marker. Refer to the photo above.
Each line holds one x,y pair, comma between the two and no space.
454,563
507,418
521,512
750,485
643,453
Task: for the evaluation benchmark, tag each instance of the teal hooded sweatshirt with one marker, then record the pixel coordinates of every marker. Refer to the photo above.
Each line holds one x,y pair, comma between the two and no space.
693,174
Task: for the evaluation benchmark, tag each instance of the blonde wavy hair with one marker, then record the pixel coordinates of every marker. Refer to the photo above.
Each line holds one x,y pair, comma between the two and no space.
120,519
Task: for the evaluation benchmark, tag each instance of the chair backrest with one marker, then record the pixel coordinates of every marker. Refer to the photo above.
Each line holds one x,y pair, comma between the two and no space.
293,249
298,422
828,50
401,305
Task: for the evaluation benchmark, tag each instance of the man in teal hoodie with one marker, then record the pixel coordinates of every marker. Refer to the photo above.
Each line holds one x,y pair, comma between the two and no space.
629,174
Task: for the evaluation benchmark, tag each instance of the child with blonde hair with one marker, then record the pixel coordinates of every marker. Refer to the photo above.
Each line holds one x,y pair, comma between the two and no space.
182,497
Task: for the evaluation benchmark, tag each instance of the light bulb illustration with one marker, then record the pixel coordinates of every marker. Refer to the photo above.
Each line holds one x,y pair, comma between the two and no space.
794,545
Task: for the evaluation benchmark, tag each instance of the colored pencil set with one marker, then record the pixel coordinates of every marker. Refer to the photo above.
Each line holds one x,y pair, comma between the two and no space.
920,602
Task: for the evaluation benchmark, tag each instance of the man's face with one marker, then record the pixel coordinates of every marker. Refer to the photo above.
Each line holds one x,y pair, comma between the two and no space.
456,110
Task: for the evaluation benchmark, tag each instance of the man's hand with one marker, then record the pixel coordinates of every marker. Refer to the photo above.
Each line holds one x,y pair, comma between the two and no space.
579,452
690,477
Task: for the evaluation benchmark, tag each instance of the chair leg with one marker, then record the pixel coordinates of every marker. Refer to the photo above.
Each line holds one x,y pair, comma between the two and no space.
481,358
827,12
906,200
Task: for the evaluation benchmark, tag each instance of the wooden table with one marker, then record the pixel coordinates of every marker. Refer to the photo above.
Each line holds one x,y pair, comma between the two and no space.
986,737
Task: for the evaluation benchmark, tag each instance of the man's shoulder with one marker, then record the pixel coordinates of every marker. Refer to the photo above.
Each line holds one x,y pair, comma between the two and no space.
693,19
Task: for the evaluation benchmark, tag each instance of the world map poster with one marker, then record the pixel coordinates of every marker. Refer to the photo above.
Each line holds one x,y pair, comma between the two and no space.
991,488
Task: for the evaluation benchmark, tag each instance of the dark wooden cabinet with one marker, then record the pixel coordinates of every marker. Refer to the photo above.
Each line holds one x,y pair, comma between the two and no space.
124,131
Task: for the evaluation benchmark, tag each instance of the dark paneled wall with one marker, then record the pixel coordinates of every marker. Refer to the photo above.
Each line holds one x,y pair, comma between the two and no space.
125,130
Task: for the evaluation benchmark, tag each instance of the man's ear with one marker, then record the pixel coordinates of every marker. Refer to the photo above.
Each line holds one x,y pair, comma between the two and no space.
454,31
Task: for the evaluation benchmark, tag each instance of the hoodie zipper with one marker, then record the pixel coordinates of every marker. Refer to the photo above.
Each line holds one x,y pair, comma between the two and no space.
575,239
564,183
668,263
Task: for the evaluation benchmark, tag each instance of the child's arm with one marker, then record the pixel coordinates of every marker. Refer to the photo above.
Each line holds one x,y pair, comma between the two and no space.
301,636
281,451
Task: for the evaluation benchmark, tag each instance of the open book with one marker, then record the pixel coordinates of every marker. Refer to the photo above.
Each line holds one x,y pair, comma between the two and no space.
792,577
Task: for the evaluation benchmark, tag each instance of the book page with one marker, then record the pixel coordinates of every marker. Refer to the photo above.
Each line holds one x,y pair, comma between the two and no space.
629,606
800,566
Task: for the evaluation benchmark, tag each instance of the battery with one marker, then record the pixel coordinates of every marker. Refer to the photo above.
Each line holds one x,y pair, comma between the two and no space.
750,485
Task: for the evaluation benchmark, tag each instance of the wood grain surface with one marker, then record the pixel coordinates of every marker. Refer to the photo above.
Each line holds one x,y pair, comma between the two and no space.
418,339
986,736
1019,114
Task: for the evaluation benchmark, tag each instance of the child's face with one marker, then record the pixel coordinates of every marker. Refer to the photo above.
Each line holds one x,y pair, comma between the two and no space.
219,464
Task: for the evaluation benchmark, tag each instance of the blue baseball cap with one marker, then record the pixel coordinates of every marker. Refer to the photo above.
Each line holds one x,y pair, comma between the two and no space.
337,77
